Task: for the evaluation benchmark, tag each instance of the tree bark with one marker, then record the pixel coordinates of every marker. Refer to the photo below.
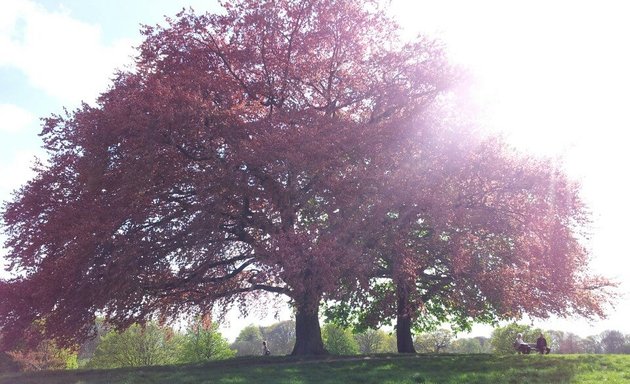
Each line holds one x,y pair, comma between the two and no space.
404,339
308,334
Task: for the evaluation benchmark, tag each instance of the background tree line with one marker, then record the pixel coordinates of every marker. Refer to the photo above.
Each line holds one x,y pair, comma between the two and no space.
201,341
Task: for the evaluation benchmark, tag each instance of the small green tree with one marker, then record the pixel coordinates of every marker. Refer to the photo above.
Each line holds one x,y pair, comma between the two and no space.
339,341
136,346
436,341
374,341
502,339
203,342
249,341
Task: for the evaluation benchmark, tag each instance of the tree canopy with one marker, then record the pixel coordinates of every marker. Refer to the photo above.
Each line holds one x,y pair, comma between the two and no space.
482,235
225,164
290,147
474,232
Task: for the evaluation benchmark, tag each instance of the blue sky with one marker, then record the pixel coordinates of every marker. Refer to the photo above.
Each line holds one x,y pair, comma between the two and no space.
552,77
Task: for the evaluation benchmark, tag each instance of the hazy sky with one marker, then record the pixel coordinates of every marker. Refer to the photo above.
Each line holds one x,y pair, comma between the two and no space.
552,76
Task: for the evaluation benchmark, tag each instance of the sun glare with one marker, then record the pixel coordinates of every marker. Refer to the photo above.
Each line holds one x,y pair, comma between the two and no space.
552,78
546,73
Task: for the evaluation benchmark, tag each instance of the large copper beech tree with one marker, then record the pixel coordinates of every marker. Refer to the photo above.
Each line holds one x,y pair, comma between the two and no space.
472,231
229,162
290,147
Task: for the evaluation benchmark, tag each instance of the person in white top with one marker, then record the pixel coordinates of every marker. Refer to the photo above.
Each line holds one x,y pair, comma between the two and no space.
520,345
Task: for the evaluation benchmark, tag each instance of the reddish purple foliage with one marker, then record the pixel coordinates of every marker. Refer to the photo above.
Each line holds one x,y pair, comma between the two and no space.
225,165
256,151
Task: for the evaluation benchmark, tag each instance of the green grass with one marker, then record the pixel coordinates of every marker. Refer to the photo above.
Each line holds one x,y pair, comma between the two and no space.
381,369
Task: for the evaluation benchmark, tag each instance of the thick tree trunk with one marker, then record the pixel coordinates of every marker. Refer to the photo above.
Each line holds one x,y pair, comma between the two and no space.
404,339
308,334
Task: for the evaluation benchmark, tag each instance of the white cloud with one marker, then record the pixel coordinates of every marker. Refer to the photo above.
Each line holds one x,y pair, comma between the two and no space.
17,171
14,119
64,57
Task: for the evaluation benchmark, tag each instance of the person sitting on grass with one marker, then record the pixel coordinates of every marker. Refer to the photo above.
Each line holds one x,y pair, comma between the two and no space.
520,345
541,345
266,350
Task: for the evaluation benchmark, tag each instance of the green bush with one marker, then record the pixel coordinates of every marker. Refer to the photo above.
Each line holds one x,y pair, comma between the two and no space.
339,341
136,346
249,341
203,342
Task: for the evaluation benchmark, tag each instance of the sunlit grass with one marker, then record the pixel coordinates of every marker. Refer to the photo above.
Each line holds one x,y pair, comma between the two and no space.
379,369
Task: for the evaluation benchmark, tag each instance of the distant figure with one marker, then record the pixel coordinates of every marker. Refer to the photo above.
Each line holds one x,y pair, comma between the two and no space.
541,345
266,350
520,345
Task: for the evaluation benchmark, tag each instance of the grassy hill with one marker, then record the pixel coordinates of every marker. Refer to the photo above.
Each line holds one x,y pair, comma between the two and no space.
359,369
